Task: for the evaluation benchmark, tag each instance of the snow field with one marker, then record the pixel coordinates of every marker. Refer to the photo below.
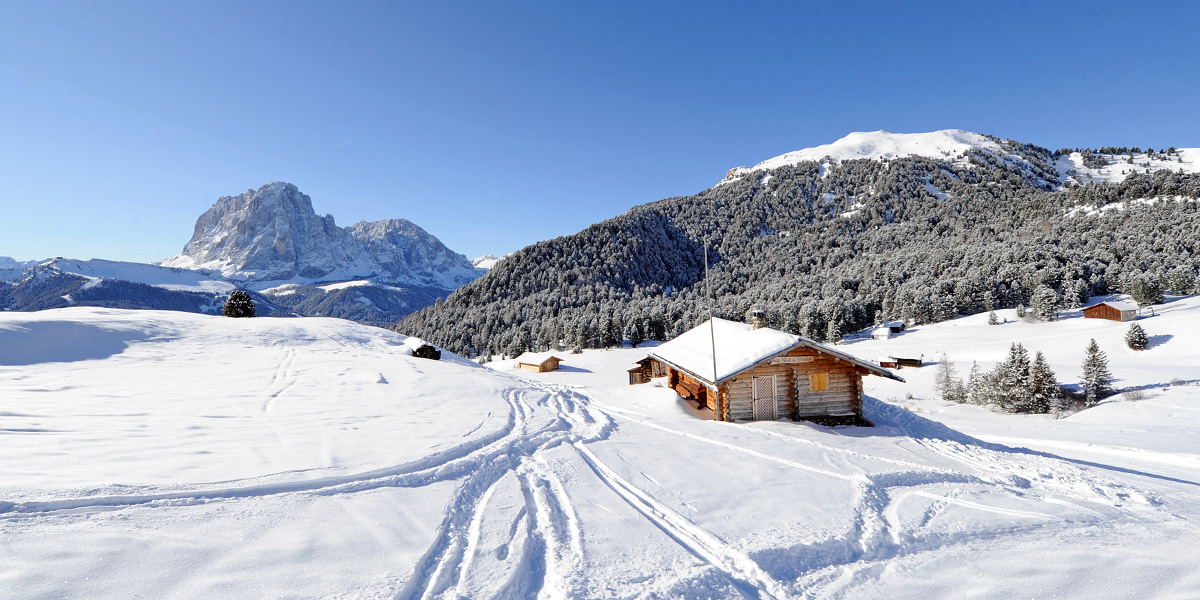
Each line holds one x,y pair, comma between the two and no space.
157,454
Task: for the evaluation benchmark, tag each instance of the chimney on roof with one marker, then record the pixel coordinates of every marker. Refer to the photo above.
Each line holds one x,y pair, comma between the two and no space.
758,319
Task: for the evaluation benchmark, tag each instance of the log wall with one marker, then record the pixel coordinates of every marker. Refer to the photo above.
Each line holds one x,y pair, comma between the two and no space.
741,392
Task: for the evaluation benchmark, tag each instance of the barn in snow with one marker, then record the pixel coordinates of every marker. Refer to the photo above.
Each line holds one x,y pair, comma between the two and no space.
763,373
538,361
1113,311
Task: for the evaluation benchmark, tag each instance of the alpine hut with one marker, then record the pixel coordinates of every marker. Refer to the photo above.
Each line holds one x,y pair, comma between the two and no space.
747,372
1111,310
538,361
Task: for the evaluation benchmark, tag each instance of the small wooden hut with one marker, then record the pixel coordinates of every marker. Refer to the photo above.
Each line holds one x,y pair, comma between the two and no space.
538,361
417,347
758,373
1111,310
646,369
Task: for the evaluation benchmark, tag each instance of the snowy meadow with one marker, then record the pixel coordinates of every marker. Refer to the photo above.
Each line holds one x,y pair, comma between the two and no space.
154,454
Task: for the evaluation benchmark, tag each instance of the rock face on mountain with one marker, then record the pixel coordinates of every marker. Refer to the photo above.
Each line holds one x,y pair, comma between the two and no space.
270,242
273,234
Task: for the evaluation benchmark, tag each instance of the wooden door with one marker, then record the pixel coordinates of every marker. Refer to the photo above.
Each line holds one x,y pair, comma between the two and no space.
764,398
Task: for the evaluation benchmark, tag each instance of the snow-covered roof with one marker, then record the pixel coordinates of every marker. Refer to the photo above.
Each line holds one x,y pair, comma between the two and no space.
880,330
536,358
739,347
1117,304
412,344
899,324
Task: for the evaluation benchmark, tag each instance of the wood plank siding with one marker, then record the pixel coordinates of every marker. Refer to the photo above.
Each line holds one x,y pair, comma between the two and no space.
794,397
1106,311
740,392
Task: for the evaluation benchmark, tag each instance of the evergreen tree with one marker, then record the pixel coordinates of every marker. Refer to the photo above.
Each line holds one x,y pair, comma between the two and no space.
833,333
609,336
1015,390
1136,337
635,334
1043,385
1146,290
1097,379
1020,311
239,304
1044,302
975,393
944,381
993,319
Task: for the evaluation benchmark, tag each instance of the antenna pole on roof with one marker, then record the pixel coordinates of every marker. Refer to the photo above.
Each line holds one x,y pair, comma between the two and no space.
712,335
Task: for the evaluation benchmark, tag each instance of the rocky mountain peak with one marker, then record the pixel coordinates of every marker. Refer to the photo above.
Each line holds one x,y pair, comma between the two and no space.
273,234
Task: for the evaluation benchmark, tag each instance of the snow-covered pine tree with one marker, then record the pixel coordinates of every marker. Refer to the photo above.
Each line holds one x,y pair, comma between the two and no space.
636,336
1014,380
1146,290
1044,302
1136,337
944,381
1043,385
991,392
239,304
1020,311
1097,378
974,393
993,319
833,333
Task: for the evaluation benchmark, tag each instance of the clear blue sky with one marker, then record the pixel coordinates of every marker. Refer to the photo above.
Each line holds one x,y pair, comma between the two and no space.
497,124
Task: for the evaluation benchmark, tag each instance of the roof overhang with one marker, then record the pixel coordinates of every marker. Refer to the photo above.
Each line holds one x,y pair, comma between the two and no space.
871,368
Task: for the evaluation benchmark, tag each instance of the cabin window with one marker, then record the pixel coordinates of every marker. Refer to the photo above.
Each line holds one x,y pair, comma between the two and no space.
819,382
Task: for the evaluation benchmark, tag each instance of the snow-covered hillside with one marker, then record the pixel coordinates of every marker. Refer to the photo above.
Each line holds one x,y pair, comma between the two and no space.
941,145
158,454
1117,167
952,145
487,261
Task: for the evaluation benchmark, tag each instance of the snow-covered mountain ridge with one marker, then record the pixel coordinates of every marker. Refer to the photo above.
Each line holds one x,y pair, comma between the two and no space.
956,145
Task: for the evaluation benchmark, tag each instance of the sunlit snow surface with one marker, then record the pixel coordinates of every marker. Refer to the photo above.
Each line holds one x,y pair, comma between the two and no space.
161,454
952,145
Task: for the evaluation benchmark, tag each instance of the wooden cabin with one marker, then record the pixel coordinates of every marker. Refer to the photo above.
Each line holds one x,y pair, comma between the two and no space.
417,347
1111,310
759,373
881,333
894,326
646,369
539,362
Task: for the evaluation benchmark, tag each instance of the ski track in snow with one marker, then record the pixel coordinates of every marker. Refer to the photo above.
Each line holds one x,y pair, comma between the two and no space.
546,547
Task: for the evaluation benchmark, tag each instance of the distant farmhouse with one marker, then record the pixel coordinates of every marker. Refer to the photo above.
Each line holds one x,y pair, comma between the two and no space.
1113,311
887,330
761,373
538,361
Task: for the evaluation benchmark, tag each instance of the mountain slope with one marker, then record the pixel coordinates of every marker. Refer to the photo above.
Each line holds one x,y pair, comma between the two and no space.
829,247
